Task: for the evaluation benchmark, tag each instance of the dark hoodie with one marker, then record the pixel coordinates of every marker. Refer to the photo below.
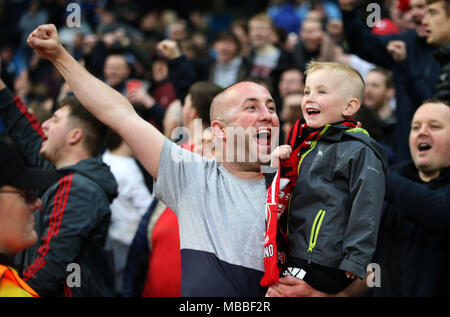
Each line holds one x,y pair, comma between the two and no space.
72,226
69,258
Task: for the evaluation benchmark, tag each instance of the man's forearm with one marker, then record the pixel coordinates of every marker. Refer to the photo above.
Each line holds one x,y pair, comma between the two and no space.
106,104
357,288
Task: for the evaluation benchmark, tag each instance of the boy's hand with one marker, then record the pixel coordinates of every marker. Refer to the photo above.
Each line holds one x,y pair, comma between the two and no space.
282,152
45,41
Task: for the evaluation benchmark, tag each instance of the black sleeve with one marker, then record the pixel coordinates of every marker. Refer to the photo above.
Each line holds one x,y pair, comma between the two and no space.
23,127
182,75
427,207
364,43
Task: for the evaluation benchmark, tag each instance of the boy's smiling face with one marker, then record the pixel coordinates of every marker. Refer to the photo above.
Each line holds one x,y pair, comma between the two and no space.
326,99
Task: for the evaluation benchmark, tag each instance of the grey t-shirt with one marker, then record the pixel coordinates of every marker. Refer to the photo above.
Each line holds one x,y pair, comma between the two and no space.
221,220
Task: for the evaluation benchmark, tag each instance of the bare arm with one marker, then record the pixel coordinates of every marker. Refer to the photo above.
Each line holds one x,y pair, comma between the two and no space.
106,104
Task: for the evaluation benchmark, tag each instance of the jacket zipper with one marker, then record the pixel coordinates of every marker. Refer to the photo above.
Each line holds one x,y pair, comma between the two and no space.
315,232
317,222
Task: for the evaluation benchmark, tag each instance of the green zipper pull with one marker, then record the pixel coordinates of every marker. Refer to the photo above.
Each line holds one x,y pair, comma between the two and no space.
315,232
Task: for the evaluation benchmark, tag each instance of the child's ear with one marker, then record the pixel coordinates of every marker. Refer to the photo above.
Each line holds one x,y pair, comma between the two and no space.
351,108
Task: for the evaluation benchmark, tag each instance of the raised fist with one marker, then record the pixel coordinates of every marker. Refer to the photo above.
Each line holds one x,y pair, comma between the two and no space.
169,49
45,41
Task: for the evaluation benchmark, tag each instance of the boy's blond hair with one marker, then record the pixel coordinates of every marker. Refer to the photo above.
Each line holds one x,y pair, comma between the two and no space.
350,76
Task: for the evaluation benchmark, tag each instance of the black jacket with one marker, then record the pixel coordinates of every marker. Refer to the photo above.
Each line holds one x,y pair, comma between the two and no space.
412,248
443,86
414,78
73,223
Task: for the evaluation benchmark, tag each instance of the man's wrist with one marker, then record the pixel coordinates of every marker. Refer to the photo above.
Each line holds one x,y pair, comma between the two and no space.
62,57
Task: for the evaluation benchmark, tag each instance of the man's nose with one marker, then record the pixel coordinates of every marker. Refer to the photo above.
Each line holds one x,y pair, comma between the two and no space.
423,130
265,114
46,124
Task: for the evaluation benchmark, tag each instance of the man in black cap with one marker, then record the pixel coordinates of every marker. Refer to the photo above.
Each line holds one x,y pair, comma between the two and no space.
18,202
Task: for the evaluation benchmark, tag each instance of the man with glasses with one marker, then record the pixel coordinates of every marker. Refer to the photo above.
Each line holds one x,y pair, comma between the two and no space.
18,202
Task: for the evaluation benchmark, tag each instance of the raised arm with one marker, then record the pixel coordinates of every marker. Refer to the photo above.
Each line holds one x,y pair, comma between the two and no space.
361,40
106,104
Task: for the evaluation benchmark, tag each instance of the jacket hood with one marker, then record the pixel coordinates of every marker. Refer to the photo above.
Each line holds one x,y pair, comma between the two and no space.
100,173
342,131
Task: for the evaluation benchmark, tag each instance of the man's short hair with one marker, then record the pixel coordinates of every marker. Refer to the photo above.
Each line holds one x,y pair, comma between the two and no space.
446,4
230,37
436,100
94,131
336,68
388,75
202,94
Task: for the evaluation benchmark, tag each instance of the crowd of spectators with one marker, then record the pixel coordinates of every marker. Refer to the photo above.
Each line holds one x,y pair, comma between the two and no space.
154,51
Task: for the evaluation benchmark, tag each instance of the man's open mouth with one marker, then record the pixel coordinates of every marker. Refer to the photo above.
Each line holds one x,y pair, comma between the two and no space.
263,136
423,147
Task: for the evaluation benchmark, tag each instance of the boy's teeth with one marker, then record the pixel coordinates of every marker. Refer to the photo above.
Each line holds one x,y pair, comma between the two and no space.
312,111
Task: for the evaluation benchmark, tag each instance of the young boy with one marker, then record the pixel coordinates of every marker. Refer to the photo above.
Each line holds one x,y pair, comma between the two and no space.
328,234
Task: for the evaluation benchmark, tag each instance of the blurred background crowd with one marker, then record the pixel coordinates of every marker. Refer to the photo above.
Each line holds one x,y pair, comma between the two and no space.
155,51
222,41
